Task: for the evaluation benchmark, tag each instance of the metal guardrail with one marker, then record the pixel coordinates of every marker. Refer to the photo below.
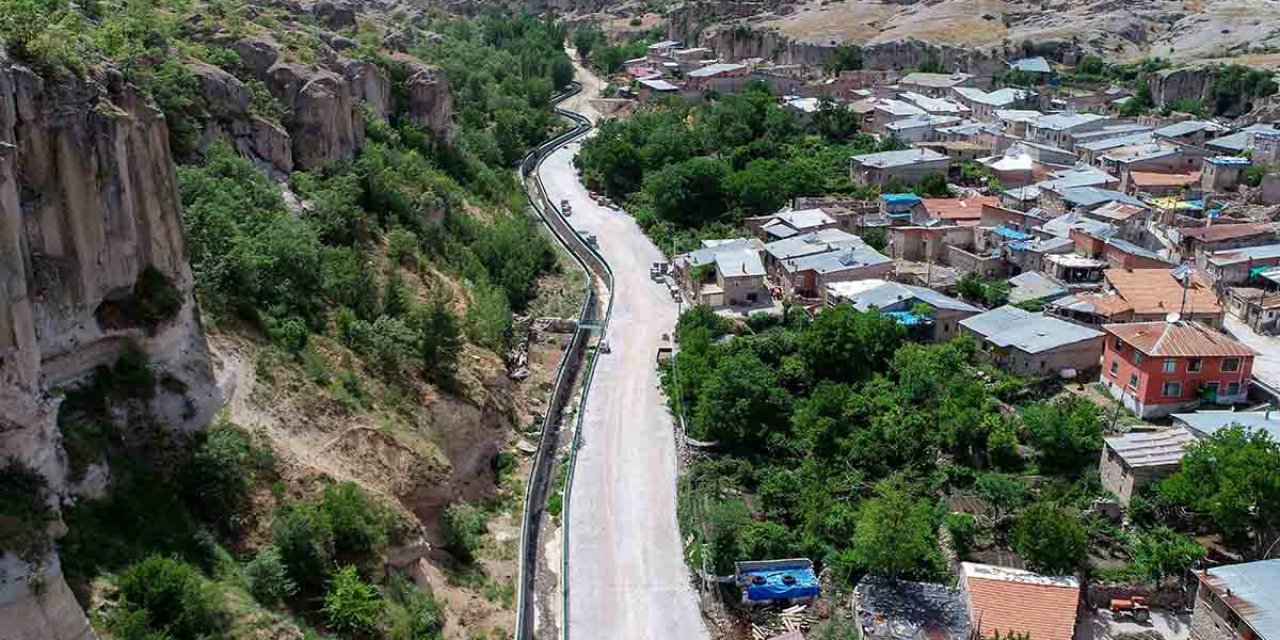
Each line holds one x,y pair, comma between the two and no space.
594,266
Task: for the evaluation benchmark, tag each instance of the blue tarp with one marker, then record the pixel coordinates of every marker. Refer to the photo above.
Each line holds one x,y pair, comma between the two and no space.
1012,234
776,587
906,318
1195,204
900,198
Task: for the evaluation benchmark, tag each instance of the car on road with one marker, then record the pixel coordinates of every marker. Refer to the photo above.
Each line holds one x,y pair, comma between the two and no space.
565,208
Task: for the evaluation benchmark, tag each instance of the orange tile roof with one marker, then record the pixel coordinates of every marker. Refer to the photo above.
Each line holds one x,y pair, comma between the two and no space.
1011,600
1153,179
1157,291
1185,338
958,208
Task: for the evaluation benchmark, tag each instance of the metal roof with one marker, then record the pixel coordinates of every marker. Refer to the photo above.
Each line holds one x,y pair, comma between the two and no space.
1151,448
1217,232
1090,196
903,158
1036,64
939,80
1229,161
811,243
1252,590
838,259
715,69
1033,285
1009,326
1180,129
934,105
1066,120
1106,144
739,262
897,107
1184,338
1062,225
1135,250
1239,140
1229,257
1210,422
658,85
893,296
712,248
805,218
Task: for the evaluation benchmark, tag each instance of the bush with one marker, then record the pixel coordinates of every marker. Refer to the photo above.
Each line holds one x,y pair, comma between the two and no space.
268,578
26,514
464,529
304,537
172,597
358,523
1049,540
219,475
412,613
350,604
963,530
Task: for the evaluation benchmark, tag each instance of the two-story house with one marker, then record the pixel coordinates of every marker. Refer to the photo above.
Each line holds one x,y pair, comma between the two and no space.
1159,368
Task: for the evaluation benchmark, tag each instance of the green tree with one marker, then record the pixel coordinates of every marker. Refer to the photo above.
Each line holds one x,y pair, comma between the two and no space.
1234,477
302,533
1005,494
172,597
847,345
1049,540
351,605
439,342
269,580
464,529
766,541
1066,433
1163,553
688,193
223,464
895,535
359,524
742,405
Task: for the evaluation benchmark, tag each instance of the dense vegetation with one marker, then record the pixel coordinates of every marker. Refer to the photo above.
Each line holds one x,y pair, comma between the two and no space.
840,439
1234,88
693,169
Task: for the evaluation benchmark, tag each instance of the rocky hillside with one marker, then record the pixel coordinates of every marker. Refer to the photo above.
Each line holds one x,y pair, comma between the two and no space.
974,34
277,208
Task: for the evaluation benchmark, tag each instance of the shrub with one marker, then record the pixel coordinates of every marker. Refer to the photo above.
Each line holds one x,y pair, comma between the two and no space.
358,523
963,530
26,514
1049,540
412,613
304,537
350,604
289,334
464,528
173,598
402,246
219,474
269,580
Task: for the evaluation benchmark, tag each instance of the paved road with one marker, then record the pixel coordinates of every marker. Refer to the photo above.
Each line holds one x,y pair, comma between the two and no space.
627,577
1266,366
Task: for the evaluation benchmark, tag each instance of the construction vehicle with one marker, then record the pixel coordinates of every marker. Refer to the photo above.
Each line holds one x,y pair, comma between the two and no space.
1134,607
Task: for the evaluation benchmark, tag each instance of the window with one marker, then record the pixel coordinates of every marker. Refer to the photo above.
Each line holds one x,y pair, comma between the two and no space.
1170,365
1133,380
1195,364
1117,344
1231,364
1115,367
1171,390
1137,357
1233,388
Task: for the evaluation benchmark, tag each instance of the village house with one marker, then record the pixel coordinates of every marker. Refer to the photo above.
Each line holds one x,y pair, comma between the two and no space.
1122,215
1158,368
1141,295
937,85
890,609
1013,168
1047,154
1017,602
723,273
1139,458
900,301
1031,253
1056,201
1074,269
1027,343
1034,286
922,128
1238,266
650,89
1237,601
1056,129
721,77
663,51
984,105
1221,174
927,244
804,265
1190,132
1106,132
1091,150
1015,121
787,224
935,106
1258,308
1198,242
1240,141
1001,216
877,114
1036,66
1266,147
1158,184
909,166
952,211
1203,424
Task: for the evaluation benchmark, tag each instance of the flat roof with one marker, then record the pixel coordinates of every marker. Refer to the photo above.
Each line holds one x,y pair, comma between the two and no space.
1210,422
739,262
903,158
1222,231
1188,127
904,609
1228,257
715,69
882,294
1009,326
1066,120
937,80
1035,64
658,85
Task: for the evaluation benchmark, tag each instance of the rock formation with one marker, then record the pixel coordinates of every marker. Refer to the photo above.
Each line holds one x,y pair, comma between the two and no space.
88,203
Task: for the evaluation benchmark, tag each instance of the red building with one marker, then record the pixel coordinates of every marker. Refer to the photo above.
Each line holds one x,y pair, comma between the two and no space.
1158,368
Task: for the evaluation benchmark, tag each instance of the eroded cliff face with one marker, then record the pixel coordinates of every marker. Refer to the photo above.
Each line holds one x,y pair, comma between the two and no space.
88,203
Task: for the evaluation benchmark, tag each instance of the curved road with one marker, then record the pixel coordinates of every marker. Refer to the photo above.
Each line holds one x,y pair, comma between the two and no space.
627,577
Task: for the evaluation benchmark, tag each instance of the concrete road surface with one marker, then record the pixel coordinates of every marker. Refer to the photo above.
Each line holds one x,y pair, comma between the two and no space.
627,577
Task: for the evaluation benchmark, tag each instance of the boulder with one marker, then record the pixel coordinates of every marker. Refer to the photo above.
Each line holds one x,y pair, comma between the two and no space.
259,54
335,15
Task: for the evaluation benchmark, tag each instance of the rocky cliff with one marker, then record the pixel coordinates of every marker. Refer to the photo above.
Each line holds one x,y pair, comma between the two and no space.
88,209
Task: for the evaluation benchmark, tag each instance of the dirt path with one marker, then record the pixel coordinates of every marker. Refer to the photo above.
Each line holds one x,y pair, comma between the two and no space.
627,577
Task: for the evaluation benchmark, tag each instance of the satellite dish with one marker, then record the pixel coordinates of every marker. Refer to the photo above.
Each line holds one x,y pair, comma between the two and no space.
1173,317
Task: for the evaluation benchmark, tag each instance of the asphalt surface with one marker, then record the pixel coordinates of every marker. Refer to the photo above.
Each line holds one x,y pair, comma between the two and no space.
627,577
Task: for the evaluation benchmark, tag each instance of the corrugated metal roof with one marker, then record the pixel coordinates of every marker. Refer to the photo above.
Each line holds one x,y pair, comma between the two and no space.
1184,338
893,296
940,80
1252,590
741,262
1247,254
1033,285
1036,64
1209,422
1063,121
715,69
1219,232
1190,126
811,243
1011,600
1009,326
1151,448
903,158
